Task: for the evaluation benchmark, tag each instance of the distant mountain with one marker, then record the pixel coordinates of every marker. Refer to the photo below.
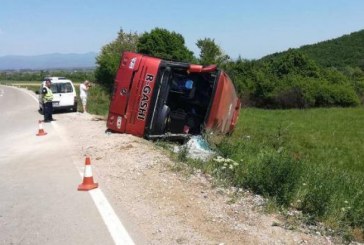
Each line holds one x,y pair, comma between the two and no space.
48,61
347,50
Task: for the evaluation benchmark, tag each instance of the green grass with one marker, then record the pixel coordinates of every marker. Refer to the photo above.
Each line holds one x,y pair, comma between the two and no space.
312,160
333,137
98,101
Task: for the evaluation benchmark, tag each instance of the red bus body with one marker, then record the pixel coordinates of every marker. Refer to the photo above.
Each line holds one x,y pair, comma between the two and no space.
155,98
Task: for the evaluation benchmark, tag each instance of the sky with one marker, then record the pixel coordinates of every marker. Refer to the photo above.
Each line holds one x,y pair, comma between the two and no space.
249,29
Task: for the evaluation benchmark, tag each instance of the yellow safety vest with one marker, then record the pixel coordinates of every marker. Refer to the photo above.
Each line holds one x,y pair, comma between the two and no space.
48,97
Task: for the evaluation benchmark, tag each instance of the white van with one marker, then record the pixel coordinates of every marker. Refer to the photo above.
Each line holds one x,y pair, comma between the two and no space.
64,94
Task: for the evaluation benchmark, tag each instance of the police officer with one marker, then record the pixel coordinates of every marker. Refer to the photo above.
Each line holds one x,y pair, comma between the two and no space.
47,101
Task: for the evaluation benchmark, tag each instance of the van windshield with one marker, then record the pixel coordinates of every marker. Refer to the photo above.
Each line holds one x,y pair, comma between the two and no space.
61,88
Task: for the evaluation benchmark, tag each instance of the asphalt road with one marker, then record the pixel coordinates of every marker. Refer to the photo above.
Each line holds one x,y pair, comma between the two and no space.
39,201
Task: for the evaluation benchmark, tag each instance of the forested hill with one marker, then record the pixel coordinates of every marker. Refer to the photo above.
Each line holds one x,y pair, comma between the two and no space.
347,50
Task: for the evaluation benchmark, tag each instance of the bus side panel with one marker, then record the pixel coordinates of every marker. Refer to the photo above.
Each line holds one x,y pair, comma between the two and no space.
225,107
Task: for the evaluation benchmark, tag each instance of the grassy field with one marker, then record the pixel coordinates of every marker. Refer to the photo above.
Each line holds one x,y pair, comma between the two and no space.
331,137
311,160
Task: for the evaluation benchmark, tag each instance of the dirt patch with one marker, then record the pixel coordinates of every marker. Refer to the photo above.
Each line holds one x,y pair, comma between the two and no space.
169,207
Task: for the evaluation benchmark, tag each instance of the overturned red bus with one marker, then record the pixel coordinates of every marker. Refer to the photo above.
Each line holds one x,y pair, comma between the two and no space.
155,98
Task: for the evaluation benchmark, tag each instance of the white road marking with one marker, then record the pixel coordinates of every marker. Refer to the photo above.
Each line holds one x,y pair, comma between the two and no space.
113,224
25,91
117,230
33,96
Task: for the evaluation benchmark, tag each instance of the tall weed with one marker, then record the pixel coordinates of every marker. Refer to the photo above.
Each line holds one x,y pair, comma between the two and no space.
98,100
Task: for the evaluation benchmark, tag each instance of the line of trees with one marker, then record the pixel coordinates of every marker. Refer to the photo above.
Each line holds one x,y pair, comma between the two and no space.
37,76
158,43
291,79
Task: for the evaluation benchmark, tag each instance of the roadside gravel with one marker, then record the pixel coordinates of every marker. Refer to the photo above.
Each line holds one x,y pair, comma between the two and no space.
168,207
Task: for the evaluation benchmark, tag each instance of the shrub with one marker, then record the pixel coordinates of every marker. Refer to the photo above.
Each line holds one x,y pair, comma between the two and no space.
336,95
291,98
304,92
267,170
98,100
274,174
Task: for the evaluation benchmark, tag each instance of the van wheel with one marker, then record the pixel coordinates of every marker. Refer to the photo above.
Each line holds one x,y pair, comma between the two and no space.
161,121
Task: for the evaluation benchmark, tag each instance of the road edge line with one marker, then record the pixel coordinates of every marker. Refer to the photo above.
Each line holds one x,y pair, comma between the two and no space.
114,225
25,91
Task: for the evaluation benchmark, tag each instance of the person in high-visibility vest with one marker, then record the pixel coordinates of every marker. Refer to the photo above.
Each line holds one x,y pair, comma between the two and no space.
47,102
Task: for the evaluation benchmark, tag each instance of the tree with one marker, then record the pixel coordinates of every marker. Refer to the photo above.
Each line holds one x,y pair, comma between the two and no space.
210,52
164,44
109,59
293,62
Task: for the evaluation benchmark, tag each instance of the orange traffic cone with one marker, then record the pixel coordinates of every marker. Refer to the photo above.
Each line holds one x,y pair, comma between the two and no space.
41,131
88,180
